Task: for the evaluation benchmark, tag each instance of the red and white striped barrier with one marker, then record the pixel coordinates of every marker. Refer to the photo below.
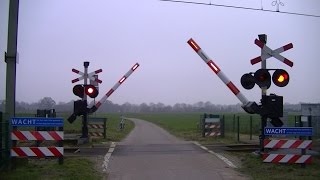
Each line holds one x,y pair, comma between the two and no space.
36,135
212,126
108,94
96,134
285,144
212,134
96,126
287,158
272,53
218,71
212,129
37,151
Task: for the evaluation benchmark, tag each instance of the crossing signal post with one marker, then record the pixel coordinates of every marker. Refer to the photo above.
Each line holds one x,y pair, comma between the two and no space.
271,105
91,90
80,107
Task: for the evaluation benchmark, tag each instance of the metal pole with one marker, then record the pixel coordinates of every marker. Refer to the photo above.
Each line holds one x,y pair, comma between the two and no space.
85,116
310,125
250,127
1,139
234,123
10,59
60,144
238,128
203,125
263,38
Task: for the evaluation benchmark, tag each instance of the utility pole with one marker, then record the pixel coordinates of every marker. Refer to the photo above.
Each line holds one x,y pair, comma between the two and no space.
11,59
263,39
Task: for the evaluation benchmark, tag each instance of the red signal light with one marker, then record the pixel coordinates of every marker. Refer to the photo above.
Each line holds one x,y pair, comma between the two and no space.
91,91
248,81
263,78
78,90
280,78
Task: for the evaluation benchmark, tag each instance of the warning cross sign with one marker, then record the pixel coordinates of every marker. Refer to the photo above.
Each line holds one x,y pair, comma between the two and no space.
91,76
272,53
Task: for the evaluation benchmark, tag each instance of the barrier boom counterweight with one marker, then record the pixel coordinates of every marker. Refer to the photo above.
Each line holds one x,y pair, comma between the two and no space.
218,71
108,94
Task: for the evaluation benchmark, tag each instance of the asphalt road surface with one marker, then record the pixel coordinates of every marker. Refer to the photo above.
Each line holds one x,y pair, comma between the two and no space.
149,152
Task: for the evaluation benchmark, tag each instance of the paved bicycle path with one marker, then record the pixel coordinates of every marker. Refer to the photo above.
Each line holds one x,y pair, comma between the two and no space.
150,152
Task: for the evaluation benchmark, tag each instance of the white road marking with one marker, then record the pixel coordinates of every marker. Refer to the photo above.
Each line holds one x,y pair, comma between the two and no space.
111,150
107,156
224,159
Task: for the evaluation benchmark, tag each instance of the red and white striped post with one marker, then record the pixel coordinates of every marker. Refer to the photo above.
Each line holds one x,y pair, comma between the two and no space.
214,67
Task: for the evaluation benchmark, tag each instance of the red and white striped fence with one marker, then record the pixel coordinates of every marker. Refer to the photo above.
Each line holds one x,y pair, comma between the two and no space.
213,133
212,126
37,135
96,126
283,144
39,152
287,158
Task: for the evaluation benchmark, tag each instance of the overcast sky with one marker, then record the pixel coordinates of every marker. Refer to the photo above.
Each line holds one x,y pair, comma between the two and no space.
58,35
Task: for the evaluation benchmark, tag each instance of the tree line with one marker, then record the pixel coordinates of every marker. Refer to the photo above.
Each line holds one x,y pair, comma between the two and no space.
110,107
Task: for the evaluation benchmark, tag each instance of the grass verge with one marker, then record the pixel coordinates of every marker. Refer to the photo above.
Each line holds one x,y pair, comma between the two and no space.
73,168
253,166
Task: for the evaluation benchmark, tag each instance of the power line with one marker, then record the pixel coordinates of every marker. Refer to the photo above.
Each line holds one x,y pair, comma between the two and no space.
239,7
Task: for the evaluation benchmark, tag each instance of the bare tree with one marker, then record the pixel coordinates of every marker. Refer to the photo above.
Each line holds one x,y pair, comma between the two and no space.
46,103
